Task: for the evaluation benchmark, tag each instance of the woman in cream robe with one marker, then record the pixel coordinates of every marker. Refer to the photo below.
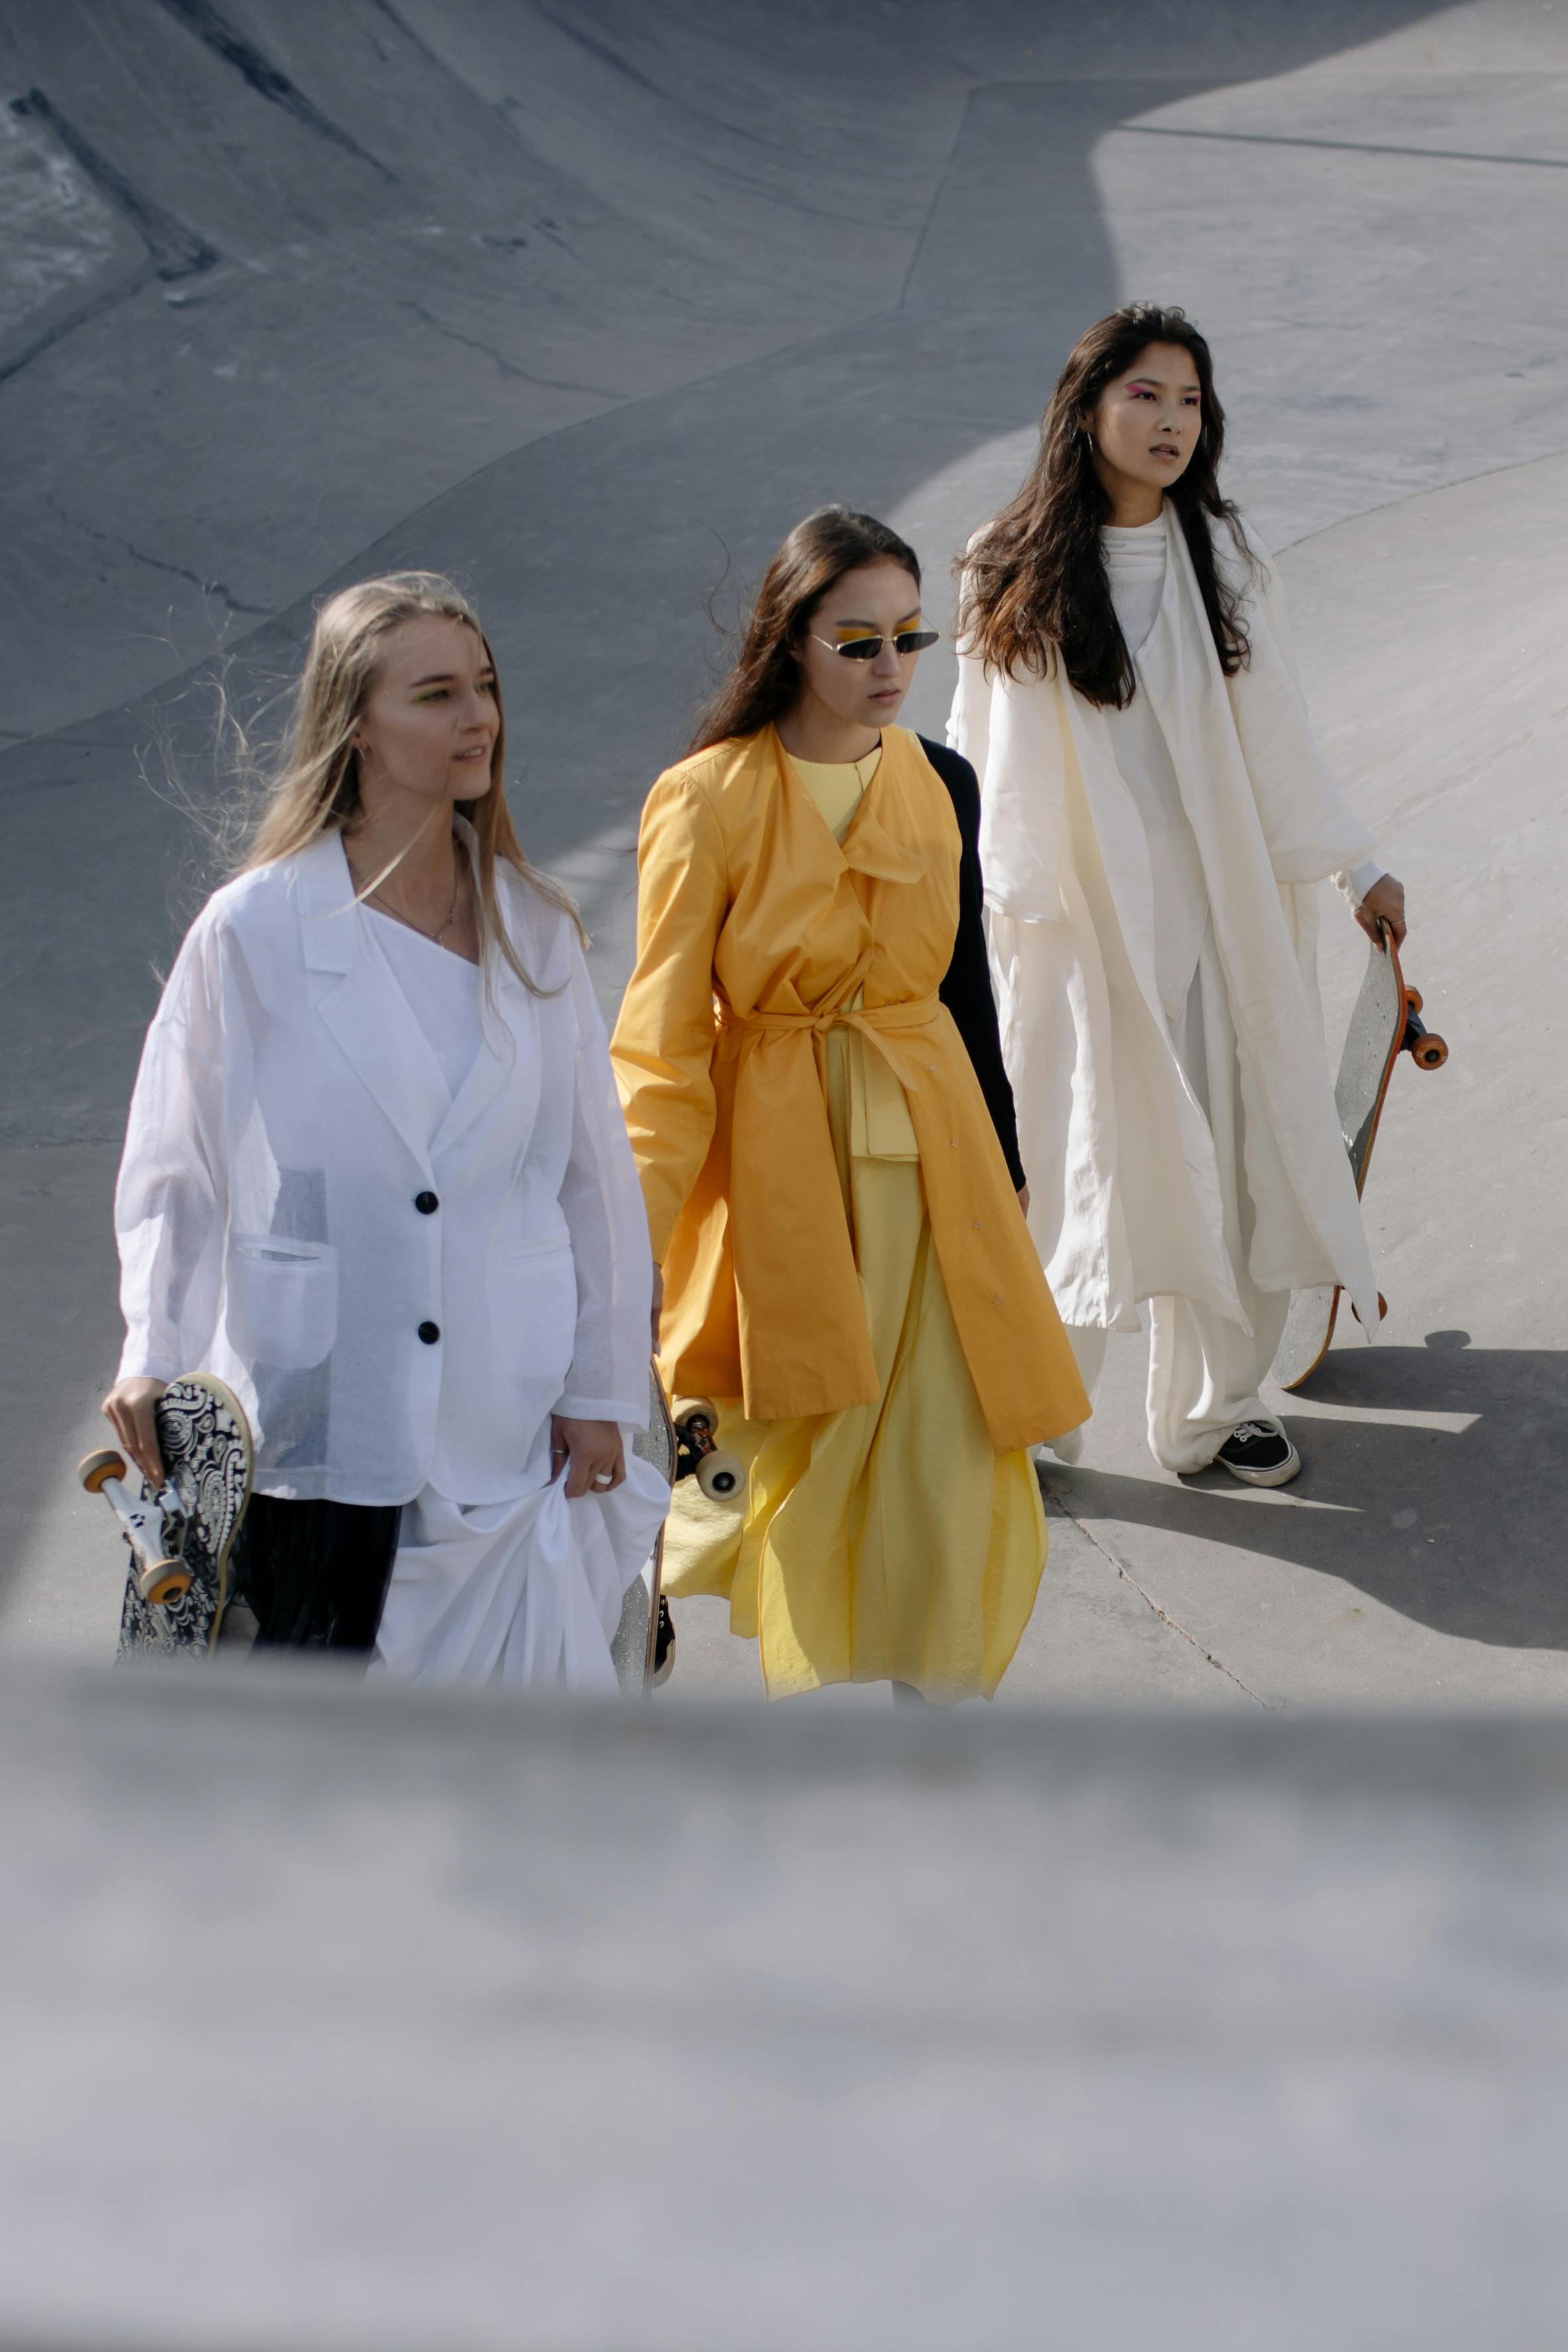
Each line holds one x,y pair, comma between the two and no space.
845,1269
1153,875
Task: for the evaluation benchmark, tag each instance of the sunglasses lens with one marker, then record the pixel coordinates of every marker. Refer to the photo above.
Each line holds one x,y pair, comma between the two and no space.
915,641
860,649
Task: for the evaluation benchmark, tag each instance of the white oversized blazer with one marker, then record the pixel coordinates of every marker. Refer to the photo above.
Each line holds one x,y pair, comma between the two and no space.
1124,1191
289,1131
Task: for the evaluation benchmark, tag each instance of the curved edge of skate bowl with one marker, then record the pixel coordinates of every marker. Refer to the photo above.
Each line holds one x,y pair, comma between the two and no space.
598,519
273,279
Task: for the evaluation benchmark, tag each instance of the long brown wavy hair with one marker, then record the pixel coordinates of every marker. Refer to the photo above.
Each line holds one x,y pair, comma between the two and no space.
1033,587
764,681
313,789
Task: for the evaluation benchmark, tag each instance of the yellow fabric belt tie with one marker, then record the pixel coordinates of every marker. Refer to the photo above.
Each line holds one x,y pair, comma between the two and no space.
879,1123
802,1320
870,1018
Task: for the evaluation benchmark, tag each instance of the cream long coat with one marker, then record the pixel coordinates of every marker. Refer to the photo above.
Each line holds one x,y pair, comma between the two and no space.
1125,1200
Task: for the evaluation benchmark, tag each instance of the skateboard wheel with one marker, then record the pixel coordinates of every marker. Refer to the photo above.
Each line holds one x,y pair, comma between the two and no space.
1382,1308
165,1580
1413,998
1430,1051
721,1476
695,1409
94,1468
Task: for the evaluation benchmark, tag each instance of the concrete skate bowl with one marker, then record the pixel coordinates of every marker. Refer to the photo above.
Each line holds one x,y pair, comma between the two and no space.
588,303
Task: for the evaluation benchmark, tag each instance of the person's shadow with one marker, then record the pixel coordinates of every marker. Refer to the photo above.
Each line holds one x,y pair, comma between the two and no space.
1459,1527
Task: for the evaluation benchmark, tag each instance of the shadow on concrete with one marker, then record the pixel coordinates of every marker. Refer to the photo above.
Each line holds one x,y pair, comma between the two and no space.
1458,1527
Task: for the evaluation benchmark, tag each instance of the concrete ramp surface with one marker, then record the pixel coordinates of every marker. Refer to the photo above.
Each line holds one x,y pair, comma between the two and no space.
403,2021
588,303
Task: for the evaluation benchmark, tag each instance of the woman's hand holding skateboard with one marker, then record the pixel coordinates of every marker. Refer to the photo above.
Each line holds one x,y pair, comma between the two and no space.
1384,903
128,1408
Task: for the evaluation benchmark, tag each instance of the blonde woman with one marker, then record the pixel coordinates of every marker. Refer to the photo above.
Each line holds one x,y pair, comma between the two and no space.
376,1179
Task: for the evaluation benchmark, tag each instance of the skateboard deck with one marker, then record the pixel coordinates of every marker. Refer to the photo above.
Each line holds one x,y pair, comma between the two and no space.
1386,1023
637,1633
181,1537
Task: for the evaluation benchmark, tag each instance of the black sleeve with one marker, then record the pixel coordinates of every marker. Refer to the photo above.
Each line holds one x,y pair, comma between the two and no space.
966,991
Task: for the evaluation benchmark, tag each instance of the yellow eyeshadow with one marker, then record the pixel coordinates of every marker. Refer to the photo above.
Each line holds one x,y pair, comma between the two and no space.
853,636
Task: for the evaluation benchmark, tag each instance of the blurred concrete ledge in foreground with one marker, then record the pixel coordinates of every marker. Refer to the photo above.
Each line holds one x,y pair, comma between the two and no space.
344,2017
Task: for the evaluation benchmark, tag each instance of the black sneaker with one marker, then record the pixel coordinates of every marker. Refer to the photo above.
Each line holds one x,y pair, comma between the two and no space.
663,1644
1259,1455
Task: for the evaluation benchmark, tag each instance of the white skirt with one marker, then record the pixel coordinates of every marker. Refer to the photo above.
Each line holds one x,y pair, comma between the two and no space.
525,1593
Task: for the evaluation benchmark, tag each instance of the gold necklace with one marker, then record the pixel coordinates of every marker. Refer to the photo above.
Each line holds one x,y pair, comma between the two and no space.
435,937
407,921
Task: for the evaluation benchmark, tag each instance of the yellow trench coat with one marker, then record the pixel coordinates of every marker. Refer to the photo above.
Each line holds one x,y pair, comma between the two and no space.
756,934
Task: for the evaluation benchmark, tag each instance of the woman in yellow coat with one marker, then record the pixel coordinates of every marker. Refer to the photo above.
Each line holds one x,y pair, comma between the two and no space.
847,1269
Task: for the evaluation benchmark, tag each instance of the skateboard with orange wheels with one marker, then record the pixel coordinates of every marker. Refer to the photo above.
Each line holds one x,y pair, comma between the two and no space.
182,1536
1385,1024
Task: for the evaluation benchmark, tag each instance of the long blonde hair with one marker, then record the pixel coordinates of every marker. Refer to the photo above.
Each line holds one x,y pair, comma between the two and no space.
314,789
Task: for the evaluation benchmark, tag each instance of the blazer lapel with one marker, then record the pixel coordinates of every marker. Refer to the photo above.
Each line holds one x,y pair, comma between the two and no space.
495,1064
362,1007
509,1024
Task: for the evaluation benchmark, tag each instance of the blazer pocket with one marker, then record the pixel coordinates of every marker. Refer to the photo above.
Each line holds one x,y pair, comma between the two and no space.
282,1301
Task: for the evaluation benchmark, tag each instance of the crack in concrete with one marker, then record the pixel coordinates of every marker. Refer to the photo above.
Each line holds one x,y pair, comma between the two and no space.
508,367
1339,146
936,195
158,564
1149,1600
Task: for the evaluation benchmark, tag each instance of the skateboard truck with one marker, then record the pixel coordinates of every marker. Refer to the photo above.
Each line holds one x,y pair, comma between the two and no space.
1425,1049
154,1528
697,1454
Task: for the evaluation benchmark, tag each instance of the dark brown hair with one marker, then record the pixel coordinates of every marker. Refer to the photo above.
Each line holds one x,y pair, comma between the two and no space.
764,681
1034,588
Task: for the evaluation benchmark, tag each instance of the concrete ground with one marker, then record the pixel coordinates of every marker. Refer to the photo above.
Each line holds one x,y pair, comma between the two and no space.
588,305
544,2028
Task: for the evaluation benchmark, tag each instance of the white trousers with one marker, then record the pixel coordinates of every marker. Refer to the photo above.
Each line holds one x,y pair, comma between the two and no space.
1205,1373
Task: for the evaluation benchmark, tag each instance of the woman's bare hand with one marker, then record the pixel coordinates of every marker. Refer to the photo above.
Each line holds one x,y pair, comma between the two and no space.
591,1453
1386,902
1023,1198
128,1408
658,1303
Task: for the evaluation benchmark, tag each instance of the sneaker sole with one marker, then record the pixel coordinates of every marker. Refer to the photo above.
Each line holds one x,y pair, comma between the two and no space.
1280,1477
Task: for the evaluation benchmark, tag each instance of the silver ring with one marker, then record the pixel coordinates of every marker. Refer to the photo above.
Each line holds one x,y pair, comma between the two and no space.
604,1478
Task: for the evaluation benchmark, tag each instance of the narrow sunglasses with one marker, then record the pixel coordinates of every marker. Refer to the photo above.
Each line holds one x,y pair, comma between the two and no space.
908,641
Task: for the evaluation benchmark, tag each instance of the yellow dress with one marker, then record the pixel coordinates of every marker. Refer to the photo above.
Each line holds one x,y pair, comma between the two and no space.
889,1541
